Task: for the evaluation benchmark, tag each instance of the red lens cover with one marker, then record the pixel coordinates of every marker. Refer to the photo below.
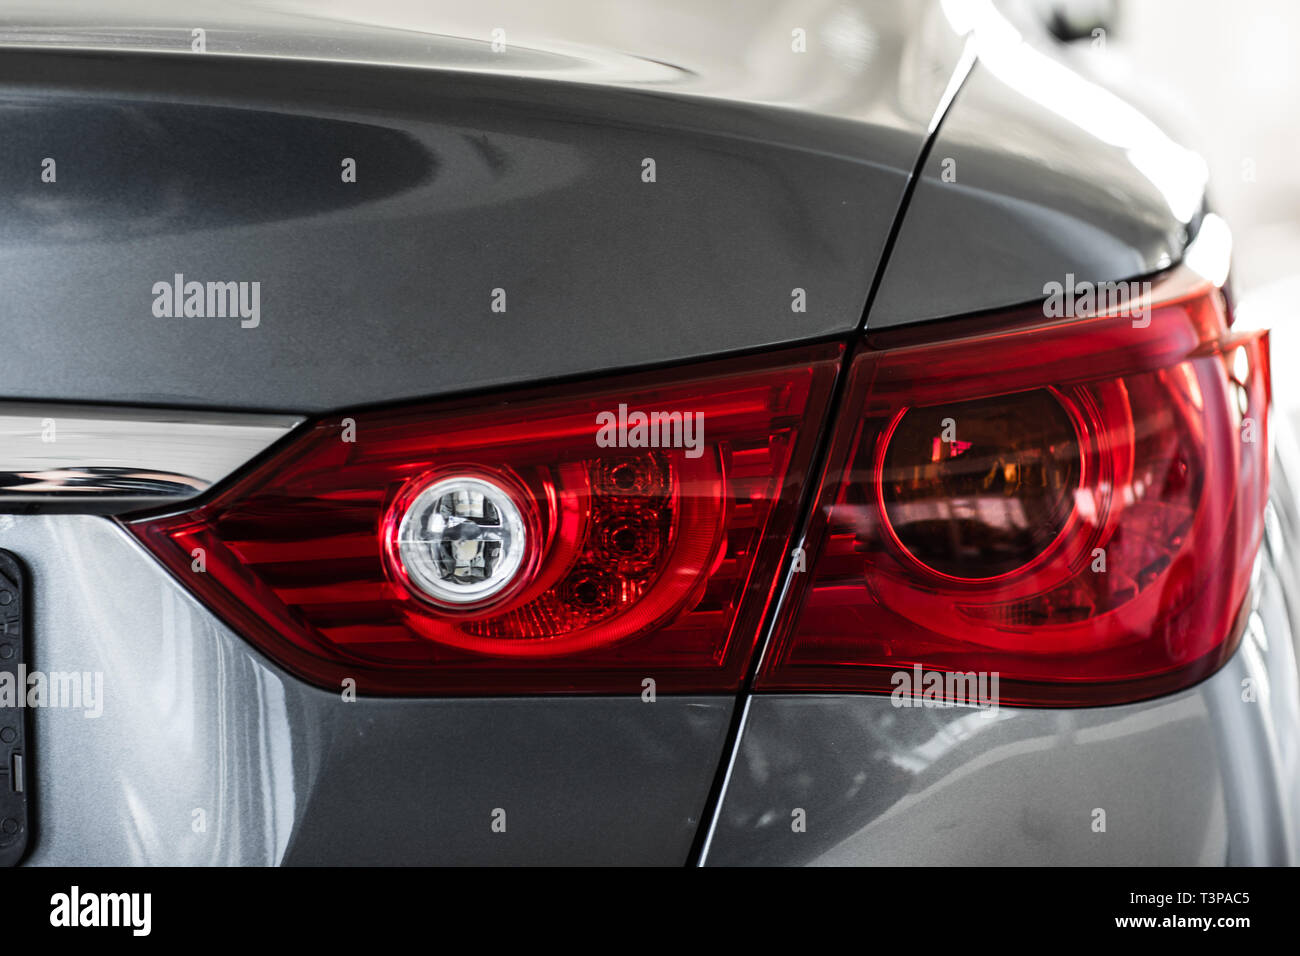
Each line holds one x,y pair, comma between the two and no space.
1074,506
653,544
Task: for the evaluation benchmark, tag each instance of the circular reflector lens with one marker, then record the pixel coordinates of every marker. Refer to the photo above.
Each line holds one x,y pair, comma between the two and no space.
461,540
979,489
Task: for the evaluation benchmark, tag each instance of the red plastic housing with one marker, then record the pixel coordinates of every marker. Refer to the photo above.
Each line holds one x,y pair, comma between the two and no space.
1074,506
644,561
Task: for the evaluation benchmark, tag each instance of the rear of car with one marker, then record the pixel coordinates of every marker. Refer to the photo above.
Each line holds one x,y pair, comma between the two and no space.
496,438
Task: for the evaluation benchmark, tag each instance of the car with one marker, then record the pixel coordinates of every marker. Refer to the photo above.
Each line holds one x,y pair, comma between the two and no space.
648,434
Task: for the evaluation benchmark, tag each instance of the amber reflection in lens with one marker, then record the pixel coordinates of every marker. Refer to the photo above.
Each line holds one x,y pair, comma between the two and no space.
978,489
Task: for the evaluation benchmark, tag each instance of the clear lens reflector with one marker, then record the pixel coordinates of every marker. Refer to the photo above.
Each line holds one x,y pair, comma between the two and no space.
461,541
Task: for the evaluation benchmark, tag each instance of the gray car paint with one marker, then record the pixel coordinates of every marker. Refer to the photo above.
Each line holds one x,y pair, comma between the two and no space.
773,173
1036,174
206,754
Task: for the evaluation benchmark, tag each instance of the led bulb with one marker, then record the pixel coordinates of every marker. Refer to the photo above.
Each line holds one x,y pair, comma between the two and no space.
461,540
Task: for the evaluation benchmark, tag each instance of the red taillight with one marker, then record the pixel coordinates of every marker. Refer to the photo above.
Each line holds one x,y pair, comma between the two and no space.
550,541
1074,507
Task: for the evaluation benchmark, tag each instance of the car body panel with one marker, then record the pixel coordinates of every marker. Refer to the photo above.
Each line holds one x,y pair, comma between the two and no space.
1034,175
520,241
661,46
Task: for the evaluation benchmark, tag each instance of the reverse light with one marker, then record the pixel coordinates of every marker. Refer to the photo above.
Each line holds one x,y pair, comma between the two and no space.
508,544
459,540
1075,506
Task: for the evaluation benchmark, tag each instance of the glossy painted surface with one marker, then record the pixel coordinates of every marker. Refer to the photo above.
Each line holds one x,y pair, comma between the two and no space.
1035,173
774,171
193,720
743,52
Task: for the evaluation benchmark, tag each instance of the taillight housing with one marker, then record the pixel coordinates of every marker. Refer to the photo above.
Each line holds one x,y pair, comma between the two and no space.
1073,505
575,539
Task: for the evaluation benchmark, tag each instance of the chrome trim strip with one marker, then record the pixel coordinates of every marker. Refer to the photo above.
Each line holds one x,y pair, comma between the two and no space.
108,460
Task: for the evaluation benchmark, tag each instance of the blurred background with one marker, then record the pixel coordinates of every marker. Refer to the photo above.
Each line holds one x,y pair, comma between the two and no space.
1228,71
1224,78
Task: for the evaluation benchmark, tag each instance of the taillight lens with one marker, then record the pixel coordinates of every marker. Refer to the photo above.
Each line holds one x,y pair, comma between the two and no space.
574,539
1074,506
